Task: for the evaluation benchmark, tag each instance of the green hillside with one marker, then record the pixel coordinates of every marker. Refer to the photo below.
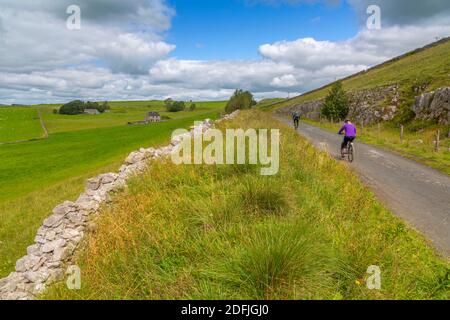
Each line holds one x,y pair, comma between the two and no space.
426,66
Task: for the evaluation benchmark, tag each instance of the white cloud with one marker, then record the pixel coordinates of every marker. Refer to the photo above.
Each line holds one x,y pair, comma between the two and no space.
42,61
285,81
39,40
367,48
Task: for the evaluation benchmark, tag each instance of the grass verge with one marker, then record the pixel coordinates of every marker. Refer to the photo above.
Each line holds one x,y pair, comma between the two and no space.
225,232
418,145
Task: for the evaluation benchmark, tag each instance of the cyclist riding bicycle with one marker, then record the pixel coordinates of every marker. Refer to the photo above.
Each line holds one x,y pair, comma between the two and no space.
350,135
296,118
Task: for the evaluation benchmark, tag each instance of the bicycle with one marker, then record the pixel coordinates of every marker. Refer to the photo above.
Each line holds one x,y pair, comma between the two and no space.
349,150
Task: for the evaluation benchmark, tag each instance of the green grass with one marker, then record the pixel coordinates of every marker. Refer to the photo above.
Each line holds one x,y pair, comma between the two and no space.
309,232
265,103
121,113
36,176
19,123
389,138
431,65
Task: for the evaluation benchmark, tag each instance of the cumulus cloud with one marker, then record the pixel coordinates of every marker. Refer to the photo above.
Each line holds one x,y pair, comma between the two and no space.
284,81
151,15
34,37
121,54
367,48
251,75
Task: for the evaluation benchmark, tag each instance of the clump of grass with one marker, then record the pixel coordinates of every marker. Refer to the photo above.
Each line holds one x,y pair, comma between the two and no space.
264,196
275,261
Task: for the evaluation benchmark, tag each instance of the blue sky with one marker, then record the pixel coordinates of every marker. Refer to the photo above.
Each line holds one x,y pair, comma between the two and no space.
233,29
200,49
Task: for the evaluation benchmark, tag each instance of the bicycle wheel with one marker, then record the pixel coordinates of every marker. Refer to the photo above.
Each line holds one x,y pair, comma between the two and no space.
350,153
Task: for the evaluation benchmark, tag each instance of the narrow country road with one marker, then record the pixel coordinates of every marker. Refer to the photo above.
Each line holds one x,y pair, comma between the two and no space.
418,194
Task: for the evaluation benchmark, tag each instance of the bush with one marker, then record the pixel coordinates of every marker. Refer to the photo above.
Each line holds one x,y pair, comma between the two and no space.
336,103
240,100
78,107
192,107
103,107
174,106
73,107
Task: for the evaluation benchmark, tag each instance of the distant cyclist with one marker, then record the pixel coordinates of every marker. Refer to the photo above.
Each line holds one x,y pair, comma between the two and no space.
296,118
350,135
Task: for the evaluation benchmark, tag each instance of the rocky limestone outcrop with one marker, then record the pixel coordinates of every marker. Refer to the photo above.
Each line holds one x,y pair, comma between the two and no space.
433,105
60,234
367,106
372,106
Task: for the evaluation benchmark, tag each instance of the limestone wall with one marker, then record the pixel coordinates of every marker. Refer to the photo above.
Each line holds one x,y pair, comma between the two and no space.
367,106
60,235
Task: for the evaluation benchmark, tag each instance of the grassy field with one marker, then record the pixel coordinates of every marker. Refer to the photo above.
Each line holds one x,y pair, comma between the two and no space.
35,176
416,145
121,113
267,102
430,66
309,232
19,123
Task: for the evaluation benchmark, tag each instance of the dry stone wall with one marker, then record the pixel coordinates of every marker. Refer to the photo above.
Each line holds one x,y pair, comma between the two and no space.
367,106
381,104
60,235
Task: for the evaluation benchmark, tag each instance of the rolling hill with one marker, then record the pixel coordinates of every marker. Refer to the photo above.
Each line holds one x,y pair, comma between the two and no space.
425,67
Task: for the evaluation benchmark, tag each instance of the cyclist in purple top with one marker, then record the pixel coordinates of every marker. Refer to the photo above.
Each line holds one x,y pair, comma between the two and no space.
350,135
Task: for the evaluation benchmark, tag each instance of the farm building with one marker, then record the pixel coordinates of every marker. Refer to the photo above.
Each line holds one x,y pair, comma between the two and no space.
153,117
91,111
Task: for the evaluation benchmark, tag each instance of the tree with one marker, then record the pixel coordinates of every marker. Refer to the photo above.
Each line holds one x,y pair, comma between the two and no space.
103,107
240,100
72,108
168,103
78,107
91,105
336,103
192,107
175,106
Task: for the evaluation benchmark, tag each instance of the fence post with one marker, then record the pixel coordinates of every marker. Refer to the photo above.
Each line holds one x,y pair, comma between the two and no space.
362,127
436,147
378,130
332,120
401,133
